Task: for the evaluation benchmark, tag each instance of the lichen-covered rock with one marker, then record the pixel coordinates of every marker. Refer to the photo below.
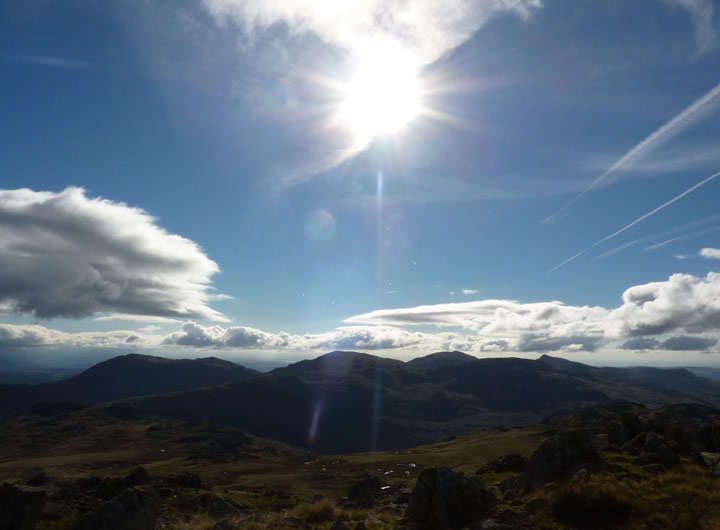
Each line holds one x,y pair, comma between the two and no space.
20,506
443,498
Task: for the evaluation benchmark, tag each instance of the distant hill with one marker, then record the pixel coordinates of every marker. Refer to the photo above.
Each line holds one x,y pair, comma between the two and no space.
123,377
348,401
442,359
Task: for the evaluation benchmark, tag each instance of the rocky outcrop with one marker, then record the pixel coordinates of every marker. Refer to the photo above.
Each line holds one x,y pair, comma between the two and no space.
512,463
364,493
20,506
443,498
136,508
560,454
652,449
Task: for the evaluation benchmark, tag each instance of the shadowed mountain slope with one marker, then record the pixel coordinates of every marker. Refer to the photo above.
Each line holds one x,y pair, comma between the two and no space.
123,377
346,401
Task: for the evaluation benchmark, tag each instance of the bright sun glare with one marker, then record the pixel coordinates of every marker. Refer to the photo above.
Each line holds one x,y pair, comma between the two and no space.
383,95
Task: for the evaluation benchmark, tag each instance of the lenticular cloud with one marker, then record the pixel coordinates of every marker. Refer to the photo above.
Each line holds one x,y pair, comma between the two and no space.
67,255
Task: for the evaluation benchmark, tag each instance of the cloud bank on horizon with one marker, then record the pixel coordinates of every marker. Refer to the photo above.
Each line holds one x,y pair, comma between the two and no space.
66,255
678,314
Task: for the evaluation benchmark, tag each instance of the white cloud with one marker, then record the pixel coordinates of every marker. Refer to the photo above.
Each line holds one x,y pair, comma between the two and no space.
67,255
682,304
468,292
710,253
680,314
18,336
701,12
343,338
428,27
675,311
193,334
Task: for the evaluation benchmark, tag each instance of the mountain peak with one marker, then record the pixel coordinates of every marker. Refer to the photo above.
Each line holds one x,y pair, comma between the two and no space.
443,358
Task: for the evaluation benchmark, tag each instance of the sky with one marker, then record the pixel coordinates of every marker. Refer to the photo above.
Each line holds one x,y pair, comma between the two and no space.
270,180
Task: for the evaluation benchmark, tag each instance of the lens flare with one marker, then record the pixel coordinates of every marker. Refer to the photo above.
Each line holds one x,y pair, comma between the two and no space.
320,226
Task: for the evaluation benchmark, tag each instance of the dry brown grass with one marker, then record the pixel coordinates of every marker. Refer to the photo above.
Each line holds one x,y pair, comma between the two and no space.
317,512
684,499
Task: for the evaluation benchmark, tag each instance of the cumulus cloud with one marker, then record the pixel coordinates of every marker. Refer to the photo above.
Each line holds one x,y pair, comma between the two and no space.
67,255
679,314
19,336
367,338
428,27
710,253
193,334
682,303
658,315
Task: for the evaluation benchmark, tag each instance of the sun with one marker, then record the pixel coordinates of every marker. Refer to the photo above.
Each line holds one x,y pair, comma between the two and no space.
383,95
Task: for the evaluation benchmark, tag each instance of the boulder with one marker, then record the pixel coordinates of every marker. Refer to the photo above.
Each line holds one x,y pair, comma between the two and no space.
653,449
364,493
38,479
20,506
635,445
616,434
445,499
631,423
136,508
509,463
654,443
559,454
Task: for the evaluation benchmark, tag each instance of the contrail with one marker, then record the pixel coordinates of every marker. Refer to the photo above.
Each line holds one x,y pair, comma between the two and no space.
639,219
683,237
671,128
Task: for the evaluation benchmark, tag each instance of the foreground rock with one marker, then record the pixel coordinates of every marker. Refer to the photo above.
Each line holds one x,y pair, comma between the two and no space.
652,449
445,499
20,507
560,454
364,493
136,508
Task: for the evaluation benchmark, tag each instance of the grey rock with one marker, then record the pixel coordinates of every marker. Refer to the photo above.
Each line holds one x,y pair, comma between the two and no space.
559,454
38,479
443,498
365,492
509,463
535,504
654,468
136,508
654,443
20,506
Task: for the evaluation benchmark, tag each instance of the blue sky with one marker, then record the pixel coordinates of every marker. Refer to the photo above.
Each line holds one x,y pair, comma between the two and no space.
185,184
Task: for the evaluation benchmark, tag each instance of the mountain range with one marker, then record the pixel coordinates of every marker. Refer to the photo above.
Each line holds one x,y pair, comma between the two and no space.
347,401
